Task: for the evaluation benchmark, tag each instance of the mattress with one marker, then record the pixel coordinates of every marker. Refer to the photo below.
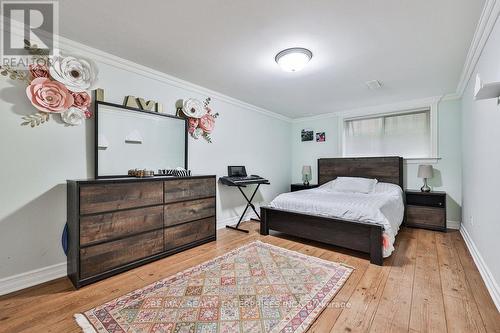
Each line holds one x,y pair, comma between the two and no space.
384,206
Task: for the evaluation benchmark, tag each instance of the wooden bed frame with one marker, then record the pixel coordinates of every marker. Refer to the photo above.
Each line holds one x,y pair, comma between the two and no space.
354,235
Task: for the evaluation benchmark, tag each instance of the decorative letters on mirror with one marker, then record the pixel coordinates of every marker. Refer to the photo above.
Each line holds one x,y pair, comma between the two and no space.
142,104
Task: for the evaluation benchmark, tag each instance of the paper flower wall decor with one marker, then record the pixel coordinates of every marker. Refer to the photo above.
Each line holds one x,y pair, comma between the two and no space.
201,119
57,85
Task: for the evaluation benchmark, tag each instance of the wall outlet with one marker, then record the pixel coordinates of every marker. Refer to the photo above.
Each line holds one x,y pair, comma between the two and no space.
471,221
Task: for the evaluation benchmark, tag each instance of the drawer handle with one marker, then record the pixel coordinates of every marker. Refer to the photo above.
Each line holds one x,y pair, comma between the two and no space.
440,203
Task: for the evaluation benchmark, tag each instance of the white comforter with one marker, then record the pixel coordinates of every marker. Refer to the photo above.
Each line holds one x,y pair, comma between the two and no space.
384,206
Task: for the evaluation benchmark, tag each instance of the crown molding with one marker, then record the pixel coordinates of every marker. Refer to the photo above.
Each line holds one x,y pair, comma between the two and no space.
486,23
489,16
378,109
69,45
451,97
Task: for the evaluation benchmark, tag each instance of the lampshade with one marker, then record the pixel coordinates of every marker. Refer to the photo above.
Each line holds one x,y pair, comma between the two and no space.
425,171
306,170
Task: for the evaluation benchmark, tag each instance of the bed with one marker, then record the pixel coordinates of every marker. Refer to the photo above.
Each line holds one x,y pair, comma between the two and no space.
361,234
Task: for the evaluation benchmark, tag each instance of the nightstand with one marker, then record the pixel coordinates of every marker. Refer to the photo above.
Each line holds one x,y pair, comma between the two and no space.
426,210
300,187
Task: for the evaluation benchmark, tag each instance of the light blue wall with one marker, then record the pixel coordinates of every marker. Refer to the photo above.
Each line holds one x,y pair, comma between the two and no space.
448,171
481,165
307,153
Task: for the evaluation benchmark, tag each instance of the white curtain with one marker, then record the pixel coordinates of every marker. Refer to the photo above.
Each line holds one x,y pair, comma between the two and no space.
406,135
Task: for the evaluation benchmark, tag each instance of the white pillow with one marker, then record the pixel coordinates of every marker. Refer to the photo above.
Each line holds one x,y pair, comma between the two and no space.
354,185
388,189
328,186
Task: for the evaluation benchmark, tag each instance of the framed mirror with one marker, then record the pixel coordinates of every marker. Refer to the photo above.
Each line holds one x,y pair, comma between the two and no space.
128,138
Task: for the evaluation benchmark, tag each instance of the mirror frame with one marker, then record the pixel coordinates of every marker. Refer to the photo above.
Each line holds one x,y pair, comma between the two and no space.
96,134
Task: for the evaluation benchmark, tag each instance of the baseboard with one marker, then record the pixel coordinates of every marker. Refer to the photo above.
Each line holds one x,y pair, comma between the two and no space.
221,223
32,278
488,279
453,225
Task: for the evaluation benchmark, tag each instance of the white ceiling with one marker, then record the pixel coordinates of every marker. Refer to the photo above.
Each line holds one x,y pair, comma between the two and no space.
416,47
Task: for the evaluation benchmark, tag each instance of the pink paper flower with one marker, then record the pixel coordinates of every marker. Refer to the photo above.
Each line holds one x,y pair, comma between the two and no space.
82,100
49,96
38,71
88,114
193,122
207,123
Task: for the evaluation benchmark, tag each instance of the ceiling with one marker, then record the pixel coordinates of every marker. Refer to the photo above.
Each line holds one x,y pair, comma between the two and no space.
416,48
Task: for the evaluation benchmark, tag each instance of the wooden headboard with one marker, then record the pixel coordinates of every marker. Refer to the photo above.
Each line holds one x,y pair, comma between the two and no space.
385,169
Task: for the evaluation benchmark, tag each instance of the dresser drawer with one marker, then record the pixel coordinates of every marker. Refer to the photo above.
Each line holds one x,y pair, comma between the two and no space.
188,233
426,216
109,197
187,189
104,257
103,227
429,200
186,211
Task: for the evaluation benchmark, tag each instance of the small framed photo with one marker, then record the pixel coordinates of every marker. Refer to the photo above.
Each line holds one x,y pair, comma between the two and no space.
307,135
320,137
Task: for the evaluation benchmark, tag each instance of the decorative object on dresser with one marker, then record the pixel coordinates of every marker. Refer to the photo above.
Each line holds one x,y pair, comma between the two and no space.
426,210
306,174
236,292
356,235
141,173
181,172
301,186
117,224
425,172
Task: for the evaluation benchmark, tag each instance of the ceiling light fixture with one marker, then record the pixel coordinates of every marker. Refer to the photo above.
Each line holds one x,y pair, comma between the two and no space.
293,59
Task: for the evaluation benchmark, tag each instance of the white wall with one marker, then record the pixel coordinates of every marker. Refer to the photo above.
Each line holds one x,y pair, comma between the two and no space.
481,166
35,163
447,168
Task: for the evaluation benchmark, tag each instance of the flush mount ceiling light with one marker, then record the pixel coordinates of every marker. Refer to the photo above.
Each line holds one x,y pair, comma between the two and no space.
293,59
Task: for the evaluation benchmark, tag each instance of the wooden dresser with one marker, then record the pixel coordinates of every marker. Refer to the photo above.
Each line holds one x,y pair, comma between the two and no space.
121,223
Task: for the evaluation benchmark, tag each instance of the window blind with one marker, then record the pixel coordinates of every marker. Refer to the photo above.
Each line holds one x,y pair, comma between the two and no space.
404,134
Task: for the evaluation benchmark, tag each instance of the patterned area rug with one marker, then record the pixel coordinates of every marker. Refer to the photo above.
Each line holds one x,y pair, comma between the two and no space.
254,288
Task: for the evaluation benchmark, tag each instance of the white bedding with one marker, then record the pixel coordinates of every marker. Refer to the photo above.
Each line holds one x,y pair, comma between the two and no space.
384,206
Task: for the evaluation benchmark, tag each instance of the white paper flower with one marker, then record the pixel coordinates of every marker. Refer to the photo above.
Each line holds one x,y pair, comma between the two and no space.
73,116
193,108
197,133
77,74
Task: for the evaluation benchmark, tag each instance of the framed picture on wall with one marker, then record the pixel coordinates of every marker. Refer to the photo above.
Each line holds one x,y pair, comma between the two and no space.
320,137
307,135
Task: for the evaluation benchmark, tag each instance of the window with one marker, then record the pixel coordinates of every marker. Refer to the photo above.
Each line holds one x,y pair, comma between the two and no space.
407,134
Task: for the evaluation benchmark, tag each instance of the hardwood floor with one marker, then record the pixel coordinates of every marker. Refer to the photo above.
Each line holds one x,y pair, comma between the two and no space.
429,284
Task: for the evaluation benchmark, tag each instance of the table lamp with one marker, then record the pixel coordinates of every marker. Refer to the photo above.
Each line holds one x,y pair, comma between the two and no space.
425,172
306,174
